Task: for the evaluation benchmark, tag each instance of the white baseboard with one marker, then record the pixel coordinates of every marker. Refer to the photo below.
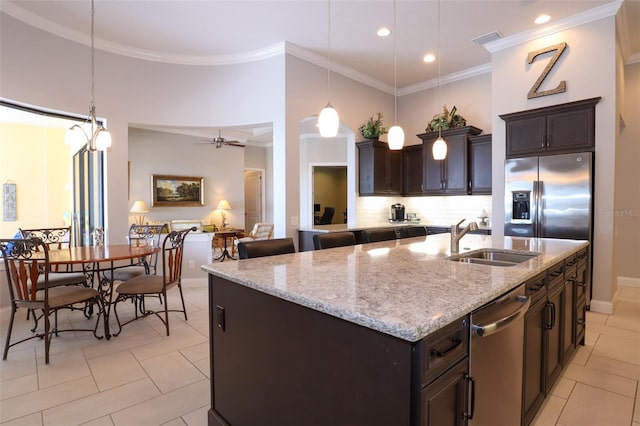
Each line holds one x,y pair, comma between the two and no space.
628,282
601,306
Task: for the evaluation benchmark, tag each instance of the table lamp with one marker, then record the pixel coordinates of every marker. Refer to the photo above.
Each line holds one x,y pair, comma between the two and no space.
222,206
139,208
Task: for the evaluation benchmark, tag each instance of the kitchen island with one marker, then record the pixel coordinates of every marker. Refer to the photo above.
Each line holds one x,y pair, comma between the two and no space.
353,335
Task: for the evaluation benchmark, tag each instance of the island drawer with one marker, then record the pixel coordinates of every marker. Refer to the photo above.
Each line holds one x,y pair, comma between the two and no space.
439,351
556,276
536,288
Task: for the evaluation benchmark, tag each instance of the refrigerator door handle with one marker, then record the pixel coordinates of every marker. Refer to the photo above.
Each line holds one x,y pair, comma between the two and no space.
540,221
534,202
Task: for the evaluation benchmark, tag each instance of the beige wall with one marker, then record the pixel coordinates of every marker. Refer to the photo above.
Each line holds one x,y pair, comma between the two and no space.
627,207
162,153
591,47
38,161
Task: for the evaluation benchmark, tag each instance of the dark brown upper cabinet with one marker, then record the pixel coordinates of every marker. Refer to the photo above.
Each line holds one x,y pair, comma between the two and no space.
480,165
451,175
380,169
412,169
557,129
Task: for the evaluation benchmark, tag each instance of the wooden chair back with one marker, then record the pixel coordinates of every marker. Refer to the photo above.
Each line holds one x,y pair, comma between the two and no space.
24,261
172,253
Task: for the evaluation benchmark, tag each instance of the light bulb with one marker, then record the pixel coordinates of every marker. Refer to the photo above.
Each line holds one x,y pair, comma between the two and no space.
396,137
439,149
103,140
328,122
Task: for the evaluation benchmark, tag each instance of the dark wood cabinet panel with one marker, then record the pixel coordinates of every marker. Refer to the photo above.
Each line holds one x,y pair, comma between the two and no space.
442,403
480,160
553,326
278,362
380,169
533,385
448,176
557,129
412,165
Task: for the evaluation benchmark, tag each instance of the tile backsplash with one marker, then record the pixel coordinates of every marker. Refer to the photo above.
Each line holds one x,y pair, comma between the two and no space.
431,210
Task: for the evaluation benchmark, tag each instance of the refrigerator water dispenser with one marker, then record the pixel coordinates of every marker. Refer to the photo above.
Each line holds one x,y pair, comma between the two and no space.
521,205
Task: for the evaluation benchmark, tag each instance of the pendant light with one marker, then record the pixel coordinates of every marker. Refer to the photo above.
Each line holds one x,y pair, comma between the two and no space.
328,120
439,148
396,134
94,134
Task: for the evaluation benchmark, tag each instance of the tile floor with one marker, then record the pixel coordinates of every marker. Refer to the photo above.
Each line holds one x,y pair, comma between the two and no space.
600,387
143,377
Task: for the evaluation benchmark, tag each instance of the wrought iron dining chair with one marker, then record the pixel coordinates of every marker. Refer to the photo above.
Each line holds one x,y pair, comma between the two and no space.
142,286
27,267
333,239
141,235
53,239
260,248
378,234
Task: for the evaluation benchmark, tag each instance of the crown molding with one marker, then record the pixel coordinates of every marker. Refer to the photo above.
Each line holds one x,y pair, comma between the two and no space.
321,61
44,24
591,15
462,75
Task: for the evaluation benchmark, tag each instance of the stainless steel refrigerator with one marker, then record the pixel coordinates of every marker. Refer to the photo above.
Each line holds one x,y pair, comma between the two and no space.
550,197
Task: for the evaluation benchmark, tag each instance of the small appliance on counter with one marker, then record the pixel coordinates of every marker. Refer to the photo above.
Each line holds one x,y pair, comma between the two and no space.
397,212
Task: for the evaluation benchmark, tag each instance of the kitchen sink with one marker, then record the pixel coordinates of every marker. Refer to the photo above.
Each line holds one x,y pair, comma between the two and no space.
493,257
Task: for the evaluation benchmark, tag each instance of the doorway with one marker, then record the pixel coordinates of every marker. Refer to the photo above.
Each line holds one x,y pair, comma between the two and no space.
330,191
253,198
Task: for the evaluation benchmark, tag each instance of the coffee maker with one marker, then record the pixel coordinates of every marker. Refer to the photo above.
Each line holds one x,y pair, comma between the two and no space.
397,212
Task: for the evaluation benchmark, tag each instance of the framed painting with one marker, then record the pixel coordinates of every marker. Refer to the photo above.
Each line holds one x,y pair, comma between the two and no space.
177,191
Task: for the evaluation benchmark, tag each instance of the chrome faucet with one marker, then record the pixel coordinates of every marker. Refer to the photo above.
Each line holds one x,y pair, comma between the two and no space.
457,234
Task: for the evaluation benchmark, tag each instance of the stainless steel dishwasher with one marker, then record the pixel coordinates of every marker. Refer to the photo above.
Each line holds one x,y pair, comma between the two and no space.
495,362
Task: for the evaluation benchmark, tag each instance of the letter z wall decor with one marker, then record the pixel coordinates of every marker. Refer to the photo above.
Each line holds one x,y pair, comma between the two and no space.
562,87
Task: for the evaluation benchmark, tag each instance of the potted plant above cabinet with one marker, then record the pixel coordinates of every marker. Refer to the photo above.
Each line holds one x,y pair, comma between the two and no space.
372,129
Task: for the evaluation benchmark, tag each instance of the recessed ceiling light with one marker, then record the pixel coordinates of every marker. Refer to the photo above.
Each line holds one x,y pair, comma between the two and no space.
542,19
384,32
429,57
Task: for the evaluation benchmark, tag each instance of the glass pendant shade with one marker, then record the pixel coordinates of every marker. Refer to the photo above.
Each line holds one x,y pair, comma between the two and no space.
328,122
439,149
396,137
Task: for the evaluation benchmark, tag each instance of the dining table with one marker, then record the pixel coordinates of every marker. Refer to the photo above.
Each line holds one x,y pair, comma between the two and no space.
95,261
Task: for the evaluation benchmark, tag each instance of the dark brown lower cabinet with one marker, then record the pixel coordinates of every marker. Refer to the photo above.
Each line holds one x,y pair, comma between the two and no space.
533,389
274,362
442,402
554,327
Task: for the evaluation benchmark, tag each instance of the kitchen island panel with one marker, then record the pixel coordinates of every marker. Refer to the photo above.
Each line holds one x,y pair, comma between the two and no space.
294,365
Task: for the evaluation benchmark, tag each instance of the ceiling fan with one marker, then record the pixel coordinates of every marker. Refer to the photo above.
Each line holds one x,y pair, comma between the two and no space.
219,141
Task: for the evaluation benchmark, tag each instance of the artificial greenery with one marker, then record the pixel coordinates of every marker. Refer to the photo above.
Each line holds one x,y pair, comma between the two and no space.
373,128
446,120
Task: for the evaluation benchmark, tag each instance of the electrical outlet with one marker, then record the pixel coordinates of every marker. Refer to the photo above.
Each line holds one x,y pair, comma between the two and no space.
294,220
192,264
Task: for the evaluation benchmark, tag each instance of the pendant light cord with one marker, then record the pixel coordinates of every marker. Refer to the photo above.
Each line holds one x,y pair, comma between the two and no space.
395,67
93,61
328,49
439,62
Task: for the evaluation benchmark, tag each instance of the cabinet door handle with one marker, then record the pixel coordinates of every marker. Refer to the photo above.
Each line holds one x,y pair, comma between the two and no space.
552,315
544,141
548,140
471,392
440,354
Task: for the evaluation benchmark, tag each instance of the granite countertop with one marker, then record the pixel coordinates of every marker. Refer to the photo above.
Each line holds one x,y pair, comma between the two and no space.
404,288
